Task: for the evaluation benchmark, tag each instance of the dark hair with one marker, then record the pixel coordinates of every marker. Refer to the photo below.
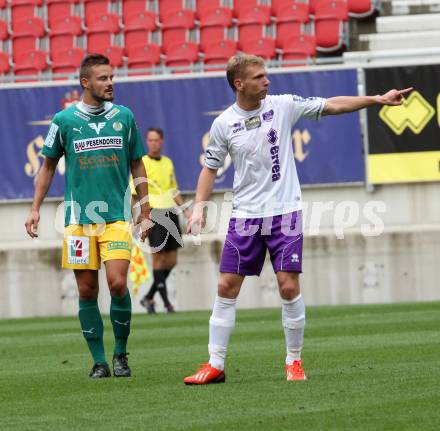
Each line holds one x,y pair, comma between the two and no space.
89,61
158,130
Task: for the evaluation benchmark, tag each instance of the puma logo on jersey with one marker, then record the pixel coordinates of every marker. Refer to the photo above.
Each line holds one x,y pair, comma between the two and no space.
77,130
97,127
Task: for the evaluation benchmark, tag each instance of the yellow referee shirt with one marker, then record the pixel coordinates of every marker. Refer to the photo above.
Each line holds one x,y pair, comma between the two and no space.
162,185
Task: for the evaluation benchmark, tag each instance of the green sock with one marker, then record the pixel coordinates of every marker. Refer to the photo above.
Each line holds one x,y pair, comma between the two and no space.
92,328
120,315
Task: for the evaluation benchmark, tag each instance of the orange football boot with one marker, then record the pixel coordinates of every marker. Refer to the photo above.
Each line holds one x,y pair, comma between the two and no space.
205,375
295,371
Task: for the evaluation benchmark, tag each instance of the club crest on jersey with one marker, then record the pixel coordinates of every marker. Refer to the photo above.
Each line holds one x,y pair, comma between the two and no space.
267,116
78,250
117,125
97,127
253,123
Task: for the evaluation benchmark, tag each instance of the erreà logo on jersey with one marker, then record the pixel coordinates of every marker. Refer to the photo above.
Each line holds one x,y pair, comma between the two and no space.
78,250
237,127
97,127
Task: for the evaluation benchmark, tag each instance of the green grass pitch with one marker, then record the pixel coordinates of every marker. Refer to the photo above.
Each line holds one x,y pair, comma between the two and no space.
369,368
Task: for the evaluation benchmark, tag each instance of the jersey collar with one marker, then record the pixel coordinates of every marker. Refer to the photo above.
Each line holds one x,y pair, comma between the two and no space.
82,107
249,113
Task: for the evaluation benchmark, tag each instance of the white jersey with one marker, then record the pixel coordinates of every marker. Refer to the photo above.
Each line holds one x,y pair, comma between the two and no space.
260,145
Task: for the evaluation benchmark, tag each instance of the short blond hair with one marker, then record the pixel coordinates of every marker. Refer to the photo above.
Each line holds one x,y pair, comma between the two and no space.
237,65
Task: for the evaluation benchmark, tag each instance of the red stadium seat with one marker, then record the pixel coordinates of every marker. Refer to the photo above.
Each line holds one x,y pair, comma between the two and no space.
329,29
165,6
145,20
299,49
263,47
175,26
143,56
173,36
23,10
59,9
29,26
64,32
290,20
23,45
96,7
329,35
130,7
114,54
279,4
361,8
218,53
211,34
3,4
259,14
219,16
61,42
107,22
332,9
251,22
213,24
182,54
203,5
30,63
250,32
4,34
183,18
67,61
239,5
66,25
100,31
134,38
96,42
4,63
293,12
26,34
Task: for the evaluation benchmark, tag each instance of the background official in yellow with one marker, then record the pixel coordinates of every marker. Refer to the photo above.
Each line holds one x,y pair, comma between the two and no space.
163,197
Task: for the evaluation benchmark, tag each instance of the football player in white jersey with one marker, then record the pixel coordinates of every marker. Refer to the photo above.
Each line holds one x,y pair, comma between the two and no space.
266,214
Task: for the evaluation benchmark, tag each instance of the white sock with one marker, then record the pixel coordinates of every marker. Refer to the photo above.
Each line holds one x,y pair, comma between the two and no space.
221,324
294,319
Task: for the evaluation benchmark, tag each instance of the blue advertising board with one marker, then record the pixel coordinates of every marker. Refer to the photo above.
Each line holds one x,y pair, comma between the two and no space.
328,151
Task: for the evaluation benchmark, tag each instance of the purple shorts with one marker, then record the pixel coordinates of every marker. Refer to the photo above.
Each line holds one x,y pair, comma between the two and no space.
248,239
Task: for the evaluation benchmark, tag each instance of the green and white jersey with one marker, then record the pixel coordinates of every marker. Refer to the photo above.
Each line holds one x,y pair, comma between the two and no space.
98,150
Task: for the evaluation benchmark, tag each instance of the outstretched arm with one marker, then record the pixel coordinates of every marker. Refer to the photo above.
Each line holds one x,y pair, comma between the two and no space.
42,184
344,104
204,190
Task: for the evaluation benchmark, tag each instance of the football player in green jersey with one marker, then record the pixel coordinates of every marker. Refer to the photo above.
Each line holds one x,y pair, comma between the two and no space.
101,145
